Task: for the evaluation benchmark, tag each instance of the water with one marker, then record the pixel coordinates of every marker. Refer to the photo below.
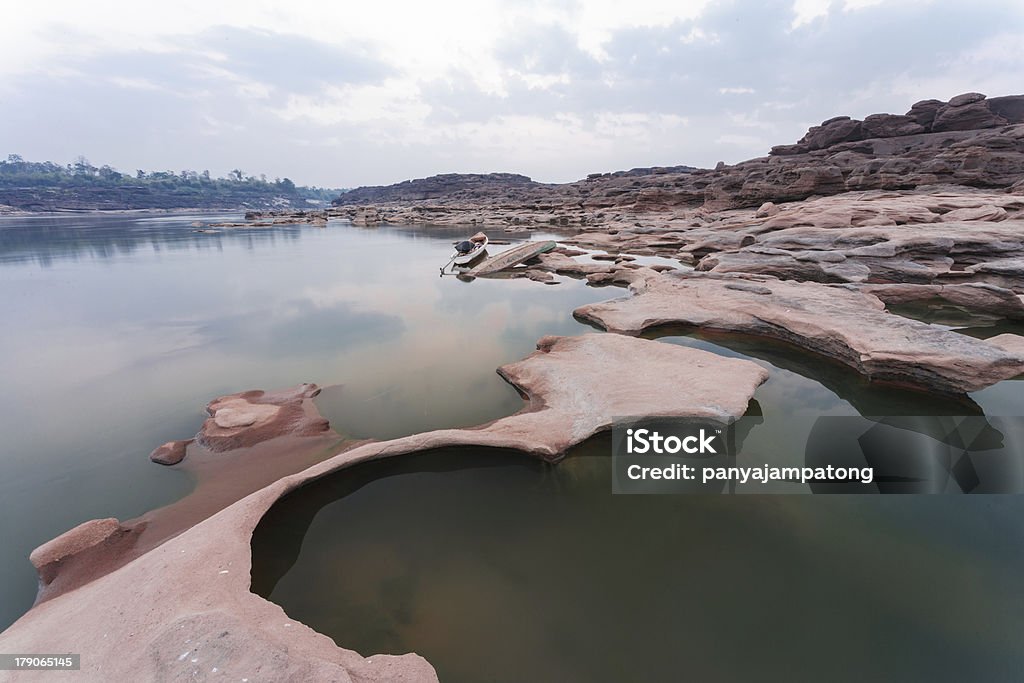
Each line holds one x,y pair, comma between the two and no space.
496,567
499,568
119,329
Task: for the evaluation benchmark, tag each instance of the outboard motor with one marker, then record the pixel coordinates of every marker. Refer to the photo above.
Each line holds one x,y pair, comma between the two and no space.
464,247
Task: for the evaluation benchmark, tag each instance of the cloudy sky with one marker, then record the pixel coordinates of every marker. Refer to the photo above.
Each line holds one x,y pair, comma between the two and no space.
344,94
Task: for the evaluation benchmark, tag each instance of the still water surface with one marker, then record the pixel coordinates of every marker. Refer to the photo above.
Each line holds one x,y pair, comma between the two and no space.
119,329
495,567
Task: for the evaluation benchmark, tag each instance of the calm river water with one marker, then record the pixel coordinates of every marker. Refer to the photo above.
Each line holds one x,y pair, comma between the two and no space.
117,330
491,565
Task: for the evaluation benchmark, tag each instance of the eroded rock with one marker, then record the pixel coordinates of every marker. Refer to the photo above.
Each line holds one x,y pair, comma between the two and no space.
245,419
198,582
170,453
838,322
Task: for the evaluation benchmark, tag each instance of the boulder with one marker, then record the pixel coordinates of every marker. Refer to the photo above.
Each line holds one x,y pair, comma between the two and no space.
924,112
170,453
831,132
890,126
972,115
965,99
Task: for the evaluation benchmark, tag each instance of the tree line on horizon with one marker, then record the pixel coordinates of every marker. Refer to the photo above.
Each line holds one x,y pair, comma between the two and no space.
16,172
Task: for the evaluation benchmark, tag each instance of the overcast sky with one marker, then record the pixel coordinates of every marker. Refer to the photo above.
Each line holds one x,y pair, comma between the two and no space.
344,94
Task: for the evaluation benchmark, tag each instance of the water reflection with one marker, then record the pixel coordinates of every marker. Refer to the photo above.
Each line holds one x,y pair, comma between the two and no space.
119,329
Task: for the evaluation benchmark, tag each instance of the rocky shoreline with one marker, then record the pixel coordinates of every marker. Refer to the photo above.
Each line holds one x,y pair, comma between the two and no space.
813,245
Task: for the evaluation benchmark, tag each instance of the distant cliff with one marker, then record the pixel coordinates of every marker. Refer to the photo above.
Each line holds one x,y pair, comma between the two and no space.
475,187
971,140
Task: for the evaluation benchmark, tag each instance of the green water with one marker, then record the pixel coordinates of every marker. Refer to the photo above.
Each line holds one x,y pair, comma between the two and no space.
117,330
496,567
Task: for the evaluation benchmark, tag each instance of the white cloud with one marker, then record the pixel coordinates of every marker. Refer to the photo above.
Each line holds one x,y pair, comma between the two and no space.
393,90
806,11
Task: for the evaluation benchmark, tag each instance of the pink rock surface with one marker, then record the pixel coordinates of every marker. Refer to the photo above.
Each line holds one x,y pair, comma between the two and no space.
184,608
250,417
170,453
839,322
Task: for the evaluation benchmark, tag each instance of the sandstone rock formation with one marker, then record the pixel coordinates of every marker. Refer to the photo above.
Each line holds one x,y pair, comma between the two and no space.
970,141
838,322
170,453
248,418
184,610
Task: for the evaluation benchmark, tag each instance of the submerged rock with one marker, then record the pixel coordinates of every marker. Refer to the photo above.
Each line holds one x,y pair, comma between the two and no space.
245,419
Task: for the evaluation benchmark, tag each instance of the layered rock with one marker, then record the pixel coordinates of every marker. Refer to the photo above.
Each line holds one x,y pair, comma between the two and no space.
838,322
969,141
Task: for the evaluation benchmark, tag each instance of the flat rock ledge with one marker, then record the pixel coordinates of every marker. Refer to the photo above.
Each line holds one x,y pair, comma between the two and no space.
184,609
245,419
836,321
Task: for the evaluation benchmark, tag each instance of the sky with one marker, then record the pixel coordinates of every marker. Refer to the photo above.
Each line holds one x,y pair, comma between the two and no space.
348,94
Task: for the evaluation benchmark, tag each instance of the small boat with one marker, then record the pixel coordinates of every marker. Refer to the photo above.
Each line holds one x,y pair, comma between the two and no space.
468,251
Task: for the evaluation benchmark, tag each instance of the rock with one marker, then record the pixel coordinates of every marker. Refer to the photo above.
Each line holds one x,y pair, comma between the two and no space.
834,321
803,266
366,216
969,116
965,99
974,297
170,453
766,210
924,112
132,621
1010,107
233,413
563,265
1011,343
831,132
79,555
470,185
245,419
890,126
979,213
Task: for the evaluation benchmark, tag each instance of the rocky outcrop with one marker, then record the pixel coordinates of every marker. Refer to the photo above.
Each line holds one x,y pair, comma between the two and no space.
184,609
79,555
248,418
838,322
970,141
245,419
468,186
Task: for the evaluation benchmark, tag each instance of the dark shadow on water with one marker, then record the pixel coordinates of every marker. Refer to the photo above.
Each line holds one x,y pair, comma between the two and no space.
278,537
497,567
